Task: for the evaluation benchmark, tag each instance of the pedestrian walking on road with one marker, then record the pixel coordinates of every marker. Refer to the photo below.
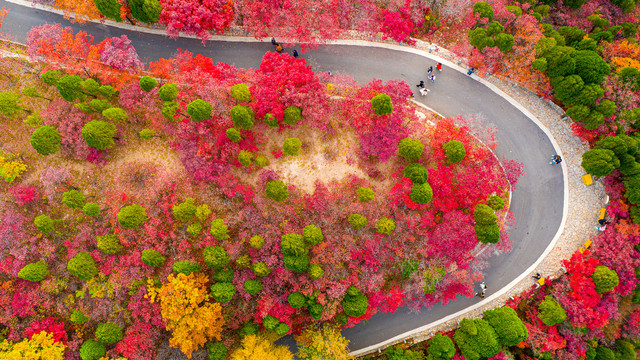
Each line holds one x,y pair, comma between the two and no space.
273,41
483,286
439,67
421,84
480,294
295,53
537,276
555,159
471,71
424,91
430,70
279,48
432,78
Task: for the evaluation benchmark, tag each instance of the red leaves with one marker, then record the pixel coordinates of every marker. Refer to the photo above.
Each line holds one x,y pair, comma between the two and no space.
398,24
196,17
24,194
49,325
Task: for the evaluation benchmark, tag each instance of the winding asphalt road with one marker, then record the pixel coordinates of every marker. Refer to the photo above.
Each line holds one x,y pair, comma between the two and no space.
537,201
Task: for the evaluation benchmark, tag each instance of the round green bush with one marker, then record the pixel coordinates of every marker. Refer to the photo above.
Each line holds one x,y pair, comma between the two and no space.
91,209
252,286
454,151
199,110
115,113
296,263
357,221
476,339
245,158
385,226
70,87
355,303
185,211
495,202
46,140
223,292
216,257
271,120
292,115
147,83
508,326
109,333
365,194
78,317
603,353
153,9
92,350
169,110
484,9
484,215
147,134
296,300
293,244
417,173
551,313
233,134
109,8
282,329
261,161
202,212
168,92
44,223
410,149
107,91
249,328
241,92
315,310
487,234
599,162
224,275
260,269
342,318
36,271
270,322
194,229
605,279
152,258
243,262
312,234
73,199
421,193
315,271
217,350
132,216
83,266
256,242
276,190
109,244
99,134
242,117
219,230
292,146
186,267
381,104
51,77
441,347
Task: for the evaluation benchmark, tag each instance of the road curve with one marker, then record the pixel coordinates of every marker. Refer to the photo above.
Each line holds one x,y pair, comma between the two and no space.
538,201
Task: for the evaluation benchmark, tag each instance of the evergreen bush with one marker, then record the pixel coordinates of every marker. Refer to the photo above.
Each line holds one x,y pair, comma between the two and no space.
99,134
168,92
550,312
152,258
92,350
260,269
185,211
605,279
253,286
355,303
241,92
292,146
276,190
147,83
296,300
410,149
292,115
417,173
109,244
46,140
454,151
216,257
312,234
219,230
381,104
36,271
365,194
73,199
186,267
256,242
83,266
91,209
223,292
132,216
109,333
44,223
385,226
421,193
199,110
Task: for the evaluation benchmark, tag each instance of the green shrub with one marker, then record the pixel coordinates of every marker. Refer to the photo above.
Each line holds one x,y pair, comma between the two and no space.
605,279
603,353
253,286
36,271
256,242
293,244
194,229
217,350
260,269
355,303
202,212
224,275
599,162
109,8
480,39
249,328
115,113
242,117
219,230
51,77
271,120
107,91
484,9
476,339
495,202
551,313
92,350
243,262
292,115
261,161
245,157
168,92
186,267
91,209
109,244
357,221
421,193
46,140
385,226
342,318
169,110
441,347
216,257
153,10
147,134
276,190
634,212
508,326
296,300
625,350
292,146
484,215
70,87
223,292
185,211
132,216
312,234
83,266
315,271
152,258
73,199
78,317
296,263
504,42
109,333
282,329
410,149
417,173
44,223
147,83
381,104
99,134
487,234
241,92
270,322
397,353
199,110
365,194
233,134
454,151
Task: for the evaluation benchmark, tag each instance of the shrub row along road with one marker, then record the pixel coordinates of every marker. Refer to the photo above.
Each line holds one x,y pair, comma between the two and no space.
537,202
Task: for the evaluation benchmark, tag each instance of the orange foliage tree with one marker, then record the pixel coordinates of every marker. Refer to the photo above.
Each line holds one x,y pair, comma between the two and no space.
78,10
187,312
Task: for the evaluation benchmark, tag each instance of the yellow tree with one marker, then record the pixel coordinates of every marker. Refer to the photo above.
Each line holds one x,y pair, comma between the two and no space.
78,10
256,347
322,342
187,312
41,346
